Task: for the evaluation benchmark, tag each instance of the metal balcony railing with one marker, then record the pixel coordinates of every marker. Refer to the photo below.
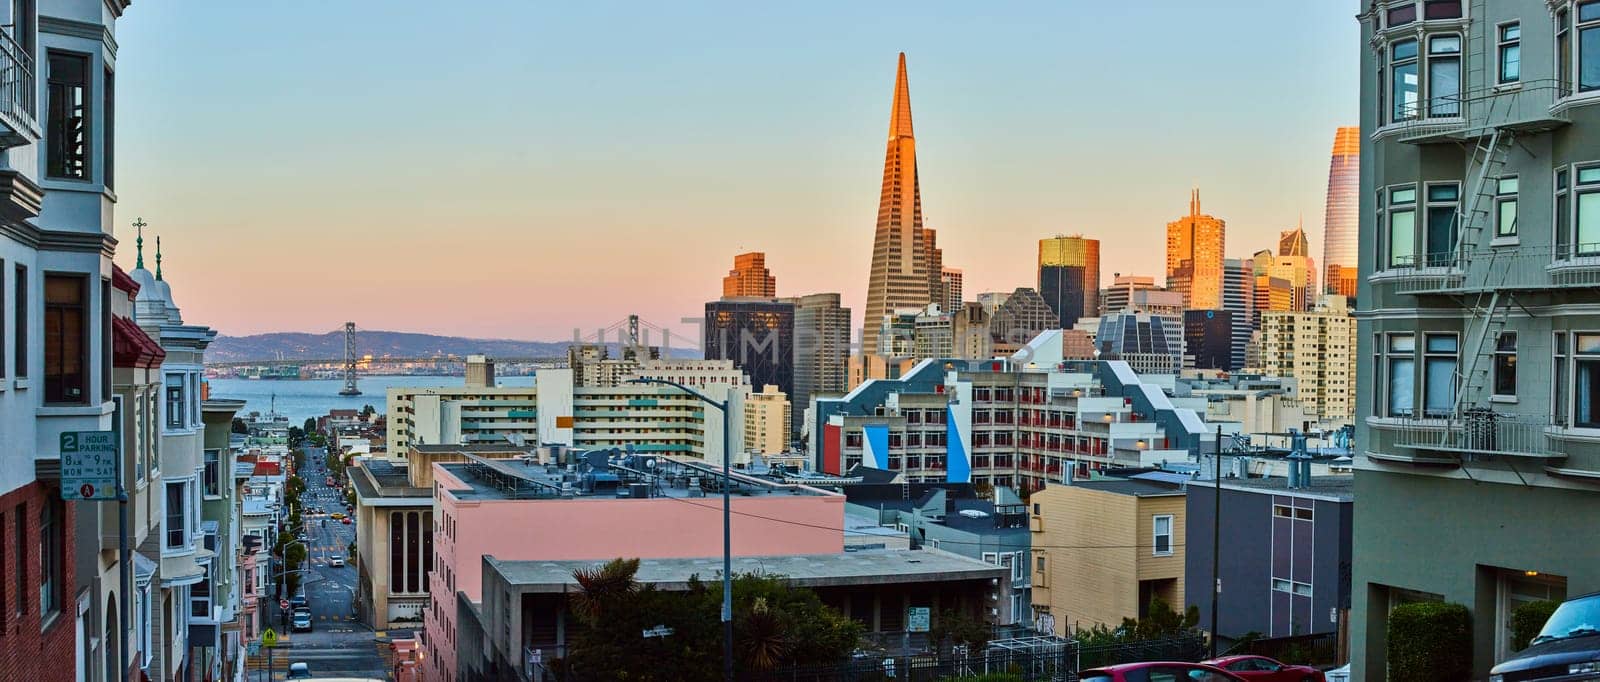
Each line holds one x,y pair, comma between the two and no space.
1502,268
1524,106
17,88
1477,432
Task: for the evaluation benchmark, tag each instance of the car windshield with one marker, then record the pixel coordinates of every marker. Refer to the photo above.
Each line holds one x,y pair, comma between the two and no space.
1574,618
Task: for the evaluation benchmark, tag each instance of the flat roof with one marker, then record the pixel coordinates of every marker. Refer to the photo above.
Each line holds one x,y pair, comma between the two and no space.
1128,486
872,567
521,478
1338,488
376,479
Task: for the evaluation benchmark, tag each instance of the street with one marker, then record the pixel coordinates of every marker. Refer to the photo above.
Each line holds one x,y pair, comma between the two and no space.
338,644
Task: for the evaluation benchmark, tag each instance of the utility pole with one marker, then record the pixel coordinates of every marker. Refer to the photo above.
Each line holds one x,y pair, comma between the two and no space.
1216,537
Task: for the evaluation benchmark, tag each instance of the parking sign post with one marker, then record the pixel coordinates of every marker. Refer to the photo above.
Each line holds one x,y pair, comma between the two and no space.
91,472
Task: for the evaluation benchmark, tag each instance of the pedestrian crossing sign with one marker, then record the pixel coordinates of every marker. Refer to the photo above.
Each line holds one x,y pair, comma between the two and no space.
269,638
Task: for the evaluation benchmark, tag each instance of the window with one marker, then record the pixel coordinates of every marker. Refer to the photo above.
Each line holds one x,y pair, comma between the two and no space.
1558,401
108,104
19,330
1586,223
1292,587
1505,364
1586,382
1039,565
1439,374
1441,9
1505,203
1444,76
1563,49
177,518
67,125
1163,535
51,558
1400,369
213,466
200,596
19,524
1443,215
66,343
176,410
21,27
1510,52
1562,222
1588,45
1400,15
1402,227
1403,80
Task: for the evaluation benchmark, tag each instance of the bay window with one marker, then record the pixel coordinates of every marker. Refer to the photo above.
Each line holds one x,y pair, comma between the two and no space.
1439,357
1443,215
1586,221
1588,45
1444,75
1402,225
1403,86
1400,365
1586,380
66,339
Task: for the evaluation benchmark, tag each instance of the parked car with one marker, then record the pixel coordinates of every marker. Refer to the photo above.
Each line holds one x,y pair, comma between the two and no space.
345,521
298,602
1567,647
301,622
337,561
338,515
299,671
1263,669
1158,672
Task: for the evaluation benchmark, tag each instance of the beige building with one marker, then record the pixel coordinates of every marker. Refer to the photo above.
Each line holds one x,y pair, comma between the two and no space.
1315,349
1195,244
1102,548
766,421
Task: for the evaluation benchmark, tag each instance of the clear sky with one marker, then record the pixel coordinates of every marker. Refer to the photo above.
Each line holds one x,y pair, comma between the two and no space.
512,168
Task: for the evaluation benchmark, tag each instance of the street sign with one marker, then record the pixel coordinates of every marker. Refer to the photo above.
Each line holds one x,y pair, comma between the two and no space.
89,465
269,638
658,631
283,604
254,649
917,618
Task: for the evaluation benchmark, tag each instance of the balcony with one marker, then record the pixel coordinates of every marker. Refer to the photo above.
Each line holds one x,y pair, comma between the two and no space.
1508,268
1525,107
16,94
1476,434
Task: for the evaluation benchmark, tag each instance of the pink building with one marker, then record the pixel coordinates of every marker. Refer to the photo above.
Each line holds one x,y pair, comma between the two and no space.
645,507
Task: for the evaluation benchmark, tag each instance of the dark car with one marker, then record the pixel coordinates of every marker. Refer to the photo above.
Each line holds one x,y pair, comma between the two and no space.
1263,669
298,602
1158,672
1567,648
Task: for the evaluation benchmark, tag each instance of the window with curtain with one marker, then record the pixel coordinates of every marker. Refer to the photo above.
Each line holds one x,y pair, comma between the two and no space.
1400,373
1439,356
1505,364
1586,381
1163,535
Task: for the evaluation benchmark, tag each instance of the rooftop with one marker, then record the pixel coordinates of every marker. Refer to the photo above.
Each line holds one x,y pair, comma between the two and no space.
874,567
1341,488
378,478
603,474
1125,486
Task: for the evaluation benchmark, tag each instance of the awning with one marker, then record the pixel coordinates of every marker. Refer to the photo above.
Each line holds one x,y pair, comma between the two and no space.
180,570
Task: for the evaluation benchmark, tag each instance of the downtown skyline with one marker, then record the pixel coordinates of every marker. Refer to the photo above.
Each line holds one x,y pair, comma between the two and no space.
1018,142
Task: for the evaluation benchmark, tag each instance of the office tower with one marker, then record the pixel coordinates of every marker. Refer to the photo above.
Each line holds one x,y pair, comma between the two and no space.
1295,264
1341,216
1151,343
935,334
1208,337
757,335
1195,245
1478,366
1021,317
1314,348
1293,242
1069,277
480,371
750,277
821,349
1120,294
904,256
1238,298
950,278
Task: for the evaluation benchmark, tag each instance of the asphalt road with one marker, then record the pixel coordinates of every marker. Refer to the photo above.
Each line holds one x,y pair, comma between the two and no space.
338,644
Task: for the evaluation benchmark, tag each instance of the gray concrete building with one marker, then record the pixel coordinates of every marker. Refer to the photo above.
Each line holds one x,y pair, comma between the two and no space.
1478,458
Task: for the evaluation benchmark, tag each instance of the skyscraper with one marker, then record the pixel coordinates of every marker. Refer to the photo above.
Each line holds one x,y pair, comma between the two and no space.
1238,298
1069,277
757,335
750,277
951,280
905,262
821,349
1342,217
1194,257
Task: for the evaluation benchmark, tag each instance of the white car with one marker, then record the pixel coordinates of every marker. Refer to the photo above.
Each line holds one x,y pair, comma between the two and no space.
336,561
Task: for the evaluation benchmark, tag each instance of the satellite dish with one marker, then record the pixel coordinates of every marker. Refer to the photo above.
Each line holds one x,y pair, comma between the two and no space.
650,464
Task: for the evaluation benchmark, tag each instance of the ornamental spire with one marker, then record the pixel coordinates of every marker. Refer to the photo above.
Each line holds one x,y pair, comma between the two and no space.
158,258
138,244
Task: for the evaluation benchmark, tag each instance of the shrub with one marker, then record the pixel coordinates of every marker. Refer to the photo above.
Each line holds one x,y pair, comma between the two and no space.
1430,641
1527,620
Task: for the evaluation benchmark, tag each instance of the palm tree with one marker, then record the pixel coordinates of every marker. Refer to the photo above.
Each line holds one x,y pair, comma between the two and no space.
764,638
602,586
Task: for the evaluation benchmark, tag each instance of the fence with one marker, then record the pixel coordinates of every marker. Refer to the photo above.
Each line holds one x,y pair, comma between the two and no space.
1320,649
1029,659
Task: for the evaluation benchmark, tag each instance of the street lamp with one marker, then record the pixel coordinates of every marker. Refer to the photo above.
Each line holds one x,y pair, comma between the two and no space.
727,532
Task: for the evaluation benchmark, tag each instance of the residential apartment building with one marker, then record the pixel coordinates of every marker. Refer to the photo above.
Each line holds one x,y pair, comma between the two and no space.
1477,314
1103,548
766,421
1014,422
1315,348
565,504
57,204
951,282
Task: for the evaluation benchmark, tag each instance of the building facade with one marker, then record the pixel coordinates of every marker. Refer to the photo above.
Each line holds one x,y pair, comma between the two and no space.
1341,215
767,421
821,349
1208,340
750,277
1315,348
951,278
1069,277
1151,343
757,335
906,267
1477,314
1195,247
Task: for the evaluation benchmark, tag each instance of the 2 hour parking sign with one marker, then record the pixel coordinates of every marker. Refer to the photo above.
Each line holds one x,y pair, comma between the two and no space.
89,465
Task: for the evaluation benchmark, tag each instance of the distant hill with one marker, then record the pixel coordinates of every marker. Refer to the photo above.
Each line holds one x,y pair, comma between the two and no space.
330,346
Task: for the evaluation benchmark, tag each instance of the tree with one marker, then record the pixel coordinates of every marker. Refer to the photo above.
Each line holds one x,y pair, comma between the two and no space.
310,425
297,436
367,411
956,628
240,427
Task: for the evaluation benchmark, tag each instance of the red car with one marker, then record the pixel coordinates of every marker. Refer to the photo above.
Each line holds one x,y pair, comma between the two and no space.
1263,669
346,520
1158,672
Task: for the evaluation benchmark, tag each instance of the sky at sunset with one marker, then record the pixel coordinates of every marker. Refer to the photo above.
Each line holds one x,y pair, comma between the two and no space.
517,169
